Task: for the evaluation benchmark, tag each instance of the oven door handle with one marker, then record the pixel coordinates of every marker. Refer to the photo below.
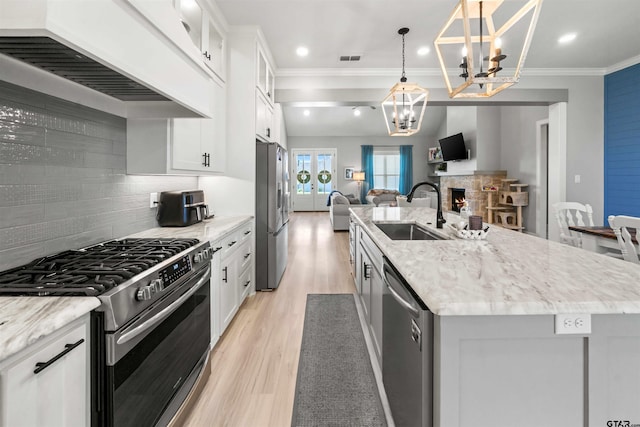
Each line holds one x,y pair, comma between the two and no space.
166,312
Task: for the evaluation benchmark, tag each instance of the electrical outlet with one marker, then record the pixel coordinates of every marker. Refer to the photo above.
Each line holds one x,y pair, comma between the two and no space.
153,200
576,179
573,323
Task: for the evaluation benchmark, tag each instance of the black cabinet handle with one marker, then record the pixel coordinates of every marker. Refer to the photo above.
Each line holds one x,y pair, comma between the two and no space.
41,366
207,55
247,284
224,270
216,250
233,243
268,132
269,94
367,270
204,159
247,232
247,255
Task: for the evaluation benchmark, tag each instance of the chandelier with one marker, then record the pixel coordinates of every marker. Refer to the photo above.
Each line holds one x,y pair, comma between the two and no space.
477,31
403,107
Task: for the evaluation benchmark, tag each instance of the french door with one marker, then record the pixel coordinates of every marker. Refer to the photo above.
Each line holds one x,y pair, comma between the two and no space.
313,173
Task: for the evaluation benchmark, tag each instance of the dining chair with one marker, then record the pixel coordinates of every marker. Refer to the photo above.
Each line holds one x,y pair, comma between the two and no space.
571,214
621,225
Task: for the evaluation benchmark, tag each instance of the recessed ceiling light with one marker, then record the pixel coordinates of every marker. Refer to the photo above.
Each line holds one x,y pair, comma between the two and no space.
423,51
302,51
306,113
356,112
567,38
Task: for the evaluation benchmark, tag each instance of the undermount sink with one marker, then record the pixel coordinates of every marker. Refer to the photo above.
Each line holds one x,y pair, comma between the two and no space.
407,231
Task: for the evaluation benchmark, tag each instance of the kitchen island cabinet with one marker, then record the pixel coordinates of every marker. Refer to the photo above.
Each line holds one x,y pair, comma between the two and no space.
510,346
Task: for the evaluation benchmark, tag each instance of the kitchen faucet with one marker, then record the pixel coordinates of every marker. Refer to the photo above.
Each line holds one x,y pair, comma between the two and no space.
439,218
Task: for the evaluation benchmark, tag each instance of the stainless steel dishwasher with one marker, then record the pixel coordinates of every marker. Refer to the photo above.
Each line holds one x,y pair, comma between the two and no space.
407,352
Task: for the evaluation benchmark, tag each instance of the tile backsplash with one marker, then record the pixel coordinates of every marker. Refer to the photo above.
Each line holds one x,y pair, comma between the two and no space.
63,182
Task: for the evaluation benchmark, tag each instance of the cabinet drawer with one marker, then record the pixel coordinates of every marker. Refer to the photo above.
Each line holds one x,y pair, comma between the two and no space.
245,284
245,255
230,244
246,232
58,393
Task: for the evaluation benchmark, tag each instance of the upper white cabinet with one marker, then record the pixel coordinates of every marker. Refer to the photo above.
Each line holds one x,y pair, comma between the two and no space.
205,33
179,146
264,118
266,79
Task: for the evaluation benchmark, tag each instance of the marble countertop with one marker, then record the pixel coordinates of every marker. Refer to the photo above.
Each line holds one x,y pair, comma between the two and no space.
508,273
24,320
209,229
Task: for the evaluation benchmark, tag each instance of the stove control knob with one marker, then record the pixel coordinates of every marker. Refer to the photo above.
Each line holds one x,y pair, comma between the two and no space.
198,258
157,285
144,293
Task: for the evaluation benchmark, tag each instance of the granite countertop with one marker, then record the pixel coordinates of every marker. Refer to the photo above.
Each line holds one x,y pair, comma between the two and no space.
24,320
508,273
209,229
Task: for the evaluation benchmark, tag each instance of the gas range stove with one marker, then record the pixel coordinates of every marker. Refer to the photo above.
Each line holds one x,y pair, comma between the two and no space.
127,275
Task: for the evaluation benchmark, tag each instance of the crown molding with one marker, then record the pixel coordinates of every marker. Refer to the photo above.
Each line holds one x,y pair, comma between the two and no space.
623,64
435,72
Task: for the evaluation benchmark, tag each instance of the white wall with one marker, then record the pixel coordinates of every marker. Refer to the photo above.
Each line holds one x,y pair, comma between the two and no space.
518,151
349,152
463,119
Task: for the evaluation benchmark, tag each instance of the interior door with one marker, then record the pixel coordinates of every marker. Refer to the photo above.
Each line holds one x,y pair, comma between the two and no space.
313,173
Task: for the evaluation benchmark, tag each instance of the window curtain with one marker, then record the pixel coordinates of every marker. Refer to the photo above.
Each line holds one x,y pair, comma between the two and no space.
367,168
406,169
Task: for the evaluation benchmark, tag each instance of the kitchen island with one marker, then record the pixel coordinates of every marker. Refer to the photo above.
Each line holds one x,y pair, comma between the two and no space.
498,357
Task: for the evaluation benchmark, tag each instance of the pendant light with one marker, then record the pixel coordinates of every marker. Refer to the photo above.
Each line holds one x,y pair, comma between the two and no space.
404,106
480,73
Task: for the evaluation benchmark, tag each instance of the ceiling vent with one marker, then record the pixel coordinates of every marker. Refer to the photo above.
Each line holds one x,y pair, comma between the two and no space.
350,58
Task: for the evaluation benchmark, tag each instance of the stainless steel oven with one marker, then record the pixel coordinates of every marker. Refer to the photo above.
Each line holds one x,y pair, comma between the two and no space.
152,362
151,334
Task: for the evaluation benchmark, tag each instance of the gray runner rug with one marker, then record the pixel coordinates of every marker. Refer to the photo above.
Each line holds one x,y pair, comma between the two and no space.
335,384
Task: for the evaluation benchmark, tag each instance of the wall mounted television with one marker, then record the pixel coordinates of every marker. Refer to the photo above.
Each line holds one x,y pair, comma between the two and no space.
453,148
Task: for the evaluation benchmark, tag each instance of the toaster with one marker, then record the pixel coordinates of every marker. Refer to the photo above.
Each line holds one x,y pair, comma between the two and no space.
181,208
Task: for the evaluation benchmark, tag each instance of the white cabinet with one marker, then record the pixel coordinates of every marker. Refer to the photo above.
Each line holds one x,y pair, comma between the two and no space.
370,287
264,118
236,271
48,383
266,80
179,146
205,34
215,293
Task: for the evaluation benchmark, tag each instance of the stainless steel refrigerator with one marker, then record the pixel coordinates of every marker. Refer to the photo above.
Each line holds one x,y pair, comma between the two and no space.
272,214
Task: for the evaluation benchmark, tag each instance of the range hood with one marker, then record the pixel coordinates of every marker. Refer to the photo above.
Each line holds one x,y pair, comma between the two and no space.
133,55
53,56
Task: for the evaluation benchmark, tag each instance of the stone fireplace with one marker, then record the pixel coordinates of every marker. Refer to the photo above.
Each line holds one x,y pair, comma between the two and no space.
472,186
457,199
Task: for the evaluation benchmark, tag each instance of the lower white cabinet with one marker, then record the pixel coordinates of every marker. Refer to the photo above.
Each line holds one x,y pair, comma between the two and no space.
370,287
47,384
233,281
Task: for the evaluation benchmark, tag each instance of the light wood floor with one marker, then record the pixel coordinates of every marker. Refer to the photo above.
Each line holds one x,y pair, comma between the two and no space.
254,365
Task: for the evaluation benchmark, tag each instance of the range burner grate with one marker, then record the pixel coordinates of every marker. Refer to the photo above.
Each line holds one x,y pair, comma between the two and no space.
90,271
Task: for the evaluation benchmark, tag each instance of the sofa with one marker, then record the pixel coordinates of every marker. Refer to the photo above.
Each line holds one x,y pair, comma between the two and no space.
416,202
380,197
339,210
